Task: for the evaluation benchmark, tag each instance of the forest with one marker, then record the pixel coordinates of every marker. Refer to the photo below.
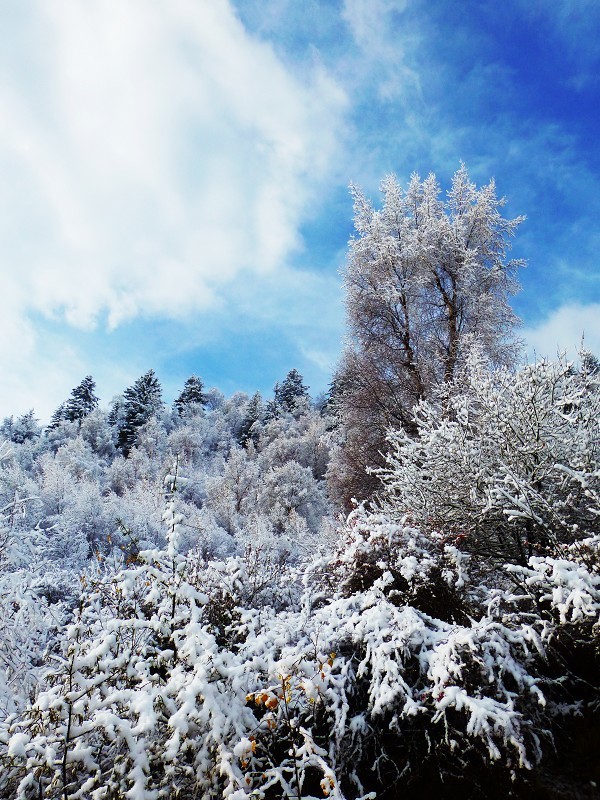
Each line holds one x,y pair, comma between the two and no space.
390,590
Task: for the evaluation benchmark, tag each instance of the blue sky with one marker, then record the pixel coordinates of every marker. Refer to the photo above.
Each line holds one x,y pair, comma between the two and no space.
175,175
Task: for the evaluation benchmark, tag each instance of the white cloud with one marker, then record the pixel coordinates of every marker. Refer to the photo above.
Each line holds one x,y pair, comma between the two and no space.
179,144
563,331
152,154
386,46
368,21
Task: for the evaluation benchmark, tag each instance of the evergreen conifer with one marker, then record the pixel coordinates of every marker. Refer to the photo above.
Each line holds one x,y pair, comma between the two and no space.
254,414
192,397
82,401
292,393
140,402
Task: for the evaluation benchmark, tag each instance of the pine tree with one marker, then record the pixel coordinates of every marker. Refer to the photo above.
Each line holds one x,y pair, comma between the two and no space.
332,402
23,429
252,417
82,401
140,402
272,407
192,398
590,363
7,427
115,412
292,394
57,417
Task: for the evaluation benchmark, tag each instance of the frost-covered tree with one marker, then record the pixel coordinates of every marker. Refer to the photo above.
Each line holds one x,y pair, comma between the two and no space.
289,397
82,401
331,404
96,431
58,416
140,402
24,429
192,397
116,411
292,395
253,415
426,278
291,490
234,493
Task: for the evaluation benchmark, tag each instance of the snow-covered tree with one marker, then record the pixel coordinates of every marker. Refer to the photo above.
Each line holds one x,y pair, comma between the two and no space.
291,490
234,493
96,431
426,278
58,416
304,439
192,398
24,429
292,395
253,416
140,402
116,411
82,401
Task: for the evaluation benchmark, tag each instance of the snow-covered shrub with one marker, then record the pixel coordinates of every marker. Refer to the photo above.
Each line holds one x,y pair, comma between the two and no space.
203,535
424,571
509,465
434,677
569,585
182,678
151,695
564,591
256,579
407,693
29,615
28,621
142,701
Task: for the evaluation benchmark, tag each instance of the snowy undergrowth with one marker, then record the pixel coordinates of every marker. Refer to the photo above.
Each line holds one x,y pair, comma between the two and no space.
157,695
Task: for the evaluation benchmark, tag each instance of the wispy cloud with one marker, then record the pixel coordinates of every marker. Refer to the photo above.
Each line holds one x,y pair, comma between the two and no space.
388,37
566,329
